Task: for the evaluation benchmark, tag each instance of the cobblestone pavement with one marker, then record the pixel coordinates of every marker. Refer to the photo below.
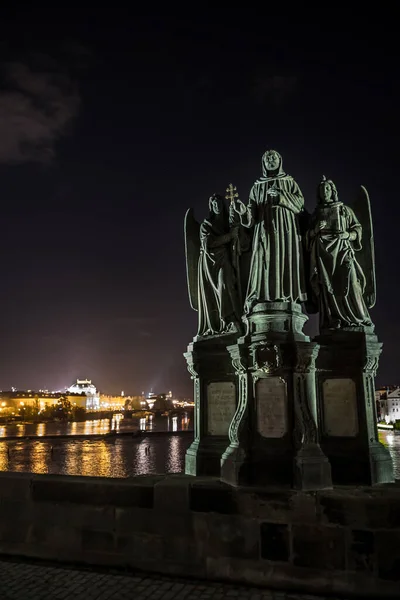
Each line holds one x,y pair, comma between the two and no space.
26,581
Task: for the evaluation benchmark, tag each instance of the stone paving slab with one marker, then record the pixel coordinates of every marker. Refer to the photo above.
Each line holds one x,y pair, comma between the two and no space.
27,581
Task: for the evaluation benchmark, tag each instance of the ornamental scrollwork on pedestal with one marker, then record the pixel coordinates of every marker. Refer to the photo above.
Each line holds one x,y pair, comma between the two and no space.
240,410
305,360
192,366
267,358
371,364
305,428
370,368
192,371
239,365
239,361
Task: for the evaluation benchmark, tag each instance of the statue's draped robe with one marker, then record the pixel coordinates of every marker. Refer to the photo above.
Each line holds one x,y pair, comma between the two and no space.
216,279
337,279
276,270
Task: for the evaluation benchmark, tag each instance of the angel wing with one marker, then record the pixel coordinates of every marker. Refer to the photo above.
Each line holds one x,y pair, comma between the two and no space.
366,257
192,250
305,220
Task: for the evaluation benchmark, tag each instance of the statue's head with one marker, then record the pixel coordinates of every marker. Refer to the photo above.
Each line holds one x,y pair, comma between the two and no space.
271,162
216,204
327,191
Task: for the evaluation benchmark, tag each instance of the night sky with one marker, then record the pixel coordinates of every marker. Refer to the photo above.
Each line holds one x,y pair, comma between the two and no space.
112,125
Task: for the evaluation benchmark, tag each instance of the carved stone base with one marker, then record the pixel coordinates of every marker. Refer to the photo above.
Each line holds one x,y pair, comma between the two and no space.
312,469
203,457
279,321
381,464
346,368
276,415
234,466
215,398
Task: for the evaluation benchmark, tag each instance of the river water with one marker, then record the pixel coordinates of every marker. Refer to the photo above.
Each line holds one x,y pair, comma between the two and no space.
119,456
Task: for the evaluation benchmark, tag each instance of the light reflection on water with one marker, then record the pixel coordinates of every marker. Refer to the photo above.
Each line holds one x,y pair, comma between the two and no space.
97,458
98,426
125,457
122,456
173,456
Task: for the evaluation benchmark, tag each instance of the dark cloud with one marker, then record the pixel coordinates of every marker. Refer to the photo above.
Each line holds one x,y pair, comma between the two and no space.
37,105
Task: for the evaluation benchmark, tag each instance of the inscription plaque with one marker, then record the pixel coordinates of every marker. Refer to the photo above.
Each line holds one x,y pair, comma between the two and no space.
340,407
221,397
271,407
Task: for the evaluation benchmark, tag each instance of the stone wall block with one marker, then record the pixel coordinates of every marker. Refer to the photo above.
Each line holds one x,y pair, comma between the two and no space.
138,548
319,547
98,541
13,531
361,551
387,547
172,495
342,509
15,486
271,506
230,535
360,509
52,538
303,508
275,542
168,524
181,549
215,497
131,520
98,518
94,492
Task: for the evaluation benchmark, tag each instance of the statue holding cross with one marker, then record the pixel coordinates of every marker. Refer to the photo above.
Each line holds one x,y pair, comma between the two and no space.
213,268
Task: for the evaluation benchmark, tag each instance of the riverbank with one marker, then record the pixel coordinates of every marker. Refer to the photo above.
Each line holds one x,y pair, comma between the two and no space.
100,415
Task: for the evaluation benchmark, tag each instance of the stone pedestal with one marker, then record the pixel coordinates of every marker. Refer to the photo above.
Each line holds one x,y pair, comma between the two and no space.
215,397
346,369
273,435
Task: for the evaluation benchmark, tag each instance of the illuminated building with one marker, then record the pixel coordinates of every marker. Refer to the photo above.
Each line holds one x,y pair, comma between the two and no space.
159,402
389,404
85,386
108,402
13,402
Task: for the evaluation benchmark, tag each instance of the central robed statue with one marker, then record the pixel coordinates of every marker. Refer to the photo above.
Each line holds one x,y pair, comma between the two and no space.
276,201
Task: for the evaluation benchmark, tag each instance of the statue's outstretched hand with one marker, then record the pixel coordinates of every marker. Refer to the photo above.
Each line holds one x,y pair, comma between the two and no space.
239,207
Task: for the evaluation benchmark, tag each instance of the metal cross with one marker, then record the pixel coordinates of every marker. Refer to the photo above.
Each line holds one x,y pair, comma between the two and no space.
231,195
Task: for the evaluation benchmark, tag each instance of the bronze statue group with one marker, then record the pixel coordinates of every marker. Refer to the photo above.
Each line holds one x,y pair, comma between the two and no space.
272,251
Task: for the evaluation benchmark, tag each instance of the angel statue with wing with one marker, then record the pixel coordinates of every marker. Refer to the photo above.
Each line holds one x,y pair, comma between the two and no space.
212,278
342,271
